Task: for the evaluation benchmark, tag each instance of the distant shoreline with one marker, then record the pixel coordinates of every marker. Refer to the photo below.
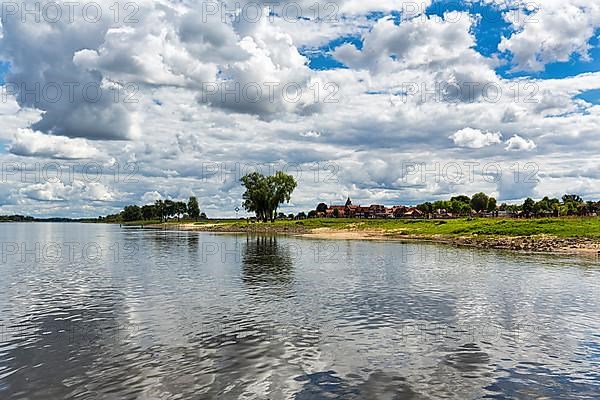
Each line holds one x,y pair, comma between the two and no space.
540,242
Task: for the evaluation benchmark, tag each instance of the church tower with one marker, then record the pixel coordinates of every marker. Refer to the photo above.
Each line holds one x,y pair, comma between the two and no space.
348,202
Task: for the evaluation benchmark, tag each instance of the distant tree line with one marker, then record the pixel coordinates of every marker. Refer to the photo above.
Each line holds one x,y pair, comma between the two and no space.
161,210
461,205
16,218
571,205
568,205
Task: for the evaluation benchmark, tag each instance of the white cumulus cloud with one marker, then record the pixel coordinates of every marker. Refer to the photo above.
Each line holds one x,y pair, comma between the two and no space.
517,143
475,138
36,144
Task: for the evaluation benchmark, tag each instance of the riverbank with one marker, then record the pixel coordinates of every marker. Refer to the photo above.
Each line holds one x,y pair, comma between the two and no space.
548,235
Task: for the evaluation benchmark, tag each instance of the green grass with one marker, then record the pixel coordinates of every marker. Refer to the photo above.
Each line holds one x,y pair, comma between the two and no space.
559,227
135,223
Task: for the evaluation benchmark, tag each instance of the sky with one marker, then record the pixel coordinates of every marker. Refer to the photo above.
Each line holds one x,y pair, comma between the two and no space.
110,103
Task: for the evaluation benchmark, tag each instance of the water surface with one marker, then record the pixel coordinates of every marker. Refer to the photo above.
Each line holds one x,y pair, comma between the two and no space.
103,312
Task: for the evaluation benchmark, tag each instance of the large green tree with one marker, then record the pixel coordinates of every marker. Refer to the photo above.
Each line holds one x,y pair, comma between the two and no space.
462,198
149,212
491,205
441,205
169,209
528,206
264,194
193,209
426,208
131,213
322,207
180,209
459,208
479,202
574,198
159,207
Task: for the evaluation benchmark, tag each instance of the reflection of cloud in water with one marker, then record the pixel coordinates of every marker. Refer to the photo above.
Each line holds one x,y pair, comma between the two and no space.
468,358
535,381
57,352
378,385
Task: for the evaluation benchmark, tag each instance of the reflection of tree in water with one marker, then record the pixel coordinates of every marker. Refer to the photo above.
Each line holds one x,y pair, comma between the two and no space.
171,250
167,240
264,260
192,243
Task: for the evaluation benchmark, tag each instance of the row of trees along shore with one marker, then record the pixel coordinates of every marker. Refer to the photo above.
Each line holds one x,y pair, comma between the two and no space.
461,205
161,210
263,196
571,205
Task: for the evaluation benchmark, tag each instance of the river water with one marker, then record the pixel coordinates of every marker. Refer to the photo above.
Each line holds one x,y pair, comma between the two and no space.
102,312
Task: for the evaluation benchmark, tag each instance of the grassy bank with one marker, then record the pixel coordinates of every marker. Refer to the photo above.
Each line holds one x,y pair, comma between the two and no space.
562,235
557,227
139,223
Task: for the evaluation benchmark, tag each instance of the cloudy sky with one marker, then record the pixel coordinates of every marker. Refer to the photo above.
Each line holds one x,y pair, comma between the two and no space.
110,103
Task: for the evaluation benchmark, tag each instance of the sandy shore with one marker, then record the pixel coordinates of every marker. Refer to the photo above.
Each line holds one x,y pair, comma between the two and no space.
536,244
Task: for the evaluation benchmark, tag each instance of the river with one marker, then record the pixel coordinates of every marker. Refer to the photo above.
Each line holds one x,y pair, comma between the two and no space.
93,311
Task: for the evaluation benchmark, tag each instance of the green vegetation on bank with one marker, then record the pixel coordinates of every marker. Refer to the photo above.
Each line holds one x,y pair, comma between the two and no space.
161,210
580,227
570,205
263,196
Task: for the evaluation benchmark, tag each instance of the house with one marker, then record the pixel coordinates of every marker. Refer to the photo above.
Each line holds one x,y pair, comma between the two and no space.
339,211
413,212
442,214
336,211
349,210
389,213
377,211
399,211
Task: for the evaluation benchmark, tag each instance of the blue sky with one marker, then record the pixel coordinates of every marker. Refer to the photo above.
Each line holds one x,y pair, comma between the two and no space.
4,68
488,33
321,59
557,70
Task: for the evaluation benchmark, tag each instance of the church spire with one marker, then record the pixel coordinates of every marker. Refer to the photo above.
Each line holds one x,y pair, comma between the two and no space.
348,202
